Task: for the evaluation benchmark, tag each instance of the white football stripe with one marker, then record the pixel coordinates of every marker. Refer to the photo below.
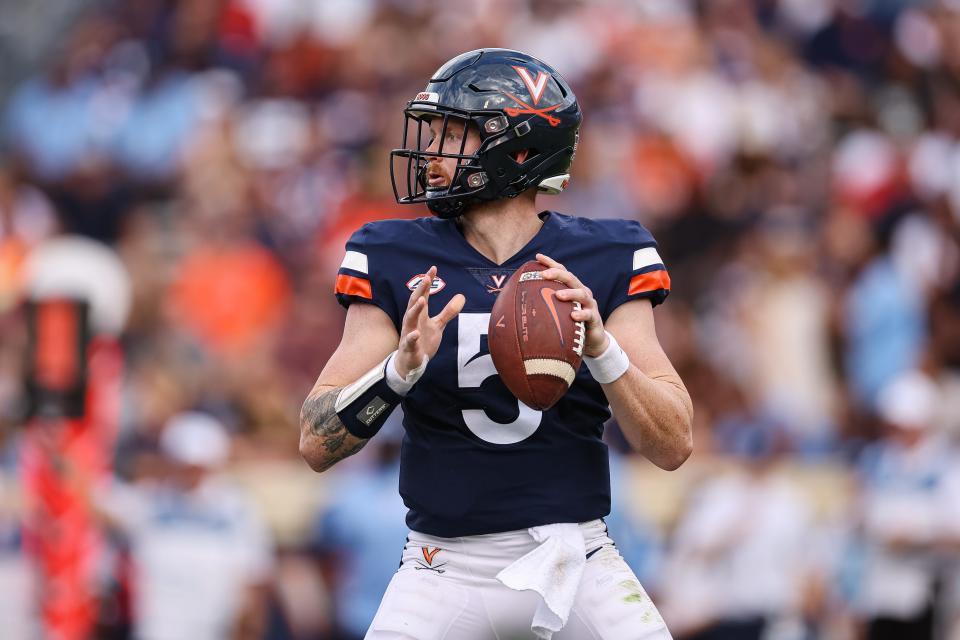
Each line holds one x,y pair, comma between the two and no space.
550,367
356,261
645,257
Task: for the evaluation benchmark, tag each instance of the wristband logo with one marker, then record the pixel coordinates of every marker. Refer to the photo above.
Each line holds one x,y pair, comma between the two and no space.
372,411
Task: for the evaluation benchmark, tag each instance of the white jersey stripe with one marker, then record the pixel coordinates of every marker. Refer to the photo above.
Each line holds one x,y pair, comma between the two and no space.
645,257
355,260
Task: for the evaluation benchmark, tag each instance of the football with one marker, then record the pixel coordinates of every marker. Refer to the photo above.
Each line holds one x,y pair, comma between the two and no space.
535,345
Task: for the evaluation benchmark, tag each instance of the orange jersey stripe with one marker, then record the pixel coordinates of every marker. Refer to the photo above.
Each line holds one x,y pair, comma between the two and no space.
651,281
353,286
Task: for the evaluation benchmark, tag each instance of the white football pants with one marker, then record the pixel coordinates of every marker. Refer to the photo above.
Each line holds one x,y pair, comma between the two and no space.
446,589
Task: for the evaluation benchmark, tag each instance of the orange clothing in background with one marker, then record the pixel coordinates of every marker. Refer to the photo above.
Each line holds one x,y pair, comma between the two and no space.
12,254
230,297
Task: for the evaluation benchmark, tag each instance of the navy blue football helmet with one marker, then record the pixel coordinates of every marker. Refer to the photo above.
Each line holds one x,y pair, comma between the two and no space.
514,102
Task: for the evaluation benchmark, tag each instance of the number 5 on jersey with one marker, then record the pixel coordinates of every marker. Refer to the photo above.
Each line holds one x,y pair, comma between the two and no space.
472,370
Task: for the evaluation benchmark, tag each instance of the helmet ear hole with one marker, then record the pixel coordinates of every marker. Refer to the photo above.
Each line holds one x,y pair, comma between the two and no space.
522,156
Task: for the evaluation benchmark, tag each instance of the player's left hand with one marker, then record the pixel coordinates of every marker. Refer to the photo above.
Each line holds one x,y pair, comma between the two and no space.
596,341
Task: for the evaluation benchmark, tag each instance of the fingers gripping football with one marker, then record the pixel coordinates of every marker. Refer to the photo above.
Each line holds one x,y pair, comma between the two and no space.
419,333
589,313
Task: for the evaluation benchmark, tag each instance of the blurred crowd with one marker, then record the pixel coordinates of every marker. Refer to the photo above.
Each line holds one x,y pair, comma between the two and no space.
797,160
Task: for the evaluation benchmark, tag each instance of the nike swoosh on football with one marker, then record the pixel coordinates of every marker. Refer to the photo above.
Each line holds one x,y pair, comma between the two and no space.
547,294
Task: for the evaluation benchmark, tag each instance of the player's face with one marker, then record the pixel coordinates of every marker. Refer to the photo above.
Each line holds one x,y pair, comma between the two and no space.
440,171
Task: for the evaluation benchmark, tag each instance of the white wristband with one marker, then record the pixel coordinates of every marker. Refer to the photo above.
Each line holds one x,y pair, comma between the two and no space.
609,365
402,386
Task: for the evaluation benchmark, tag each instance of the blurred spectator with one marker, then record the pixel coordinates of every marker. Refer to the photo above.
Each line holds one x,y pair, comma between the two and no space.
154,134
49,121
903,508
778,318
950,616
26,219
201,557
885,321
361,534
26,214
739,566
639,540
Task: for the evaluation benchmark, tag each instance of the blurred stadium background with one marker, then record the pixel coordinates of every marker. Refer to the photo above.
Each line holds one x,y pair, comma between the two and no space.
798,161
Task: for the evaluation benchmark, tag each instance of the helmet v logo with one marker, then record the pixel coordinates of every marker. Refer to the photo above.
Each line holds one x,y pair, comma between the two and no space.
535,87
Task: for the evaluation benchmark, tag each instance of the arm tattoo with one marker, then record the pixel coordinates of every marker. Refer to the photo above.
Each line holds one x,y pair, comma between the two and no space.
319,421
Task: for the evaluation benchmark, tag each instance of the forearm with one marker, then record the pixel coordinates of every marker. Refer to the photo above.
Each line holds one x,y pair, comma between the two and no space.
324,440
655,414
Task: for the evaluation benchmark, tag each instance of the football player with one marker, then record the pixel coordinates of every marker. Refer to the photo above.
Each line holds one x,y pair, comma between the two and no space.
505,502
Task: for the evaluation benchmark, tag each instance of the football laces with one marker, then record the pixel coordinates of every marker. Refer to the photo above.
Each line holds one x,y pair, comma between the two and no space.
579,335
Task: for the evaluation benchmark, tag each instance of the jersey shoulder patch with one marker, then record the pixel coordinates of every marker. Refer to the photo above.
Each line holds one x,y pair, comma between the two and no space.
371,257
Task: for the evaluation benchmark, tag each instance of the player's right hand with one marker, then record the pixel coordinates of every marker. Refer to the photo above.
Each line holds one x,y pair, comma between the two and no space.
419,333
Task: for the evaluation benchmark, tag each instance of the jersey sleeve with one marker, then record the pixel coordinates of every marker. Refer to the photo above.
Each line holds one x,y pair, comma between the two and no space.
359,277
638,269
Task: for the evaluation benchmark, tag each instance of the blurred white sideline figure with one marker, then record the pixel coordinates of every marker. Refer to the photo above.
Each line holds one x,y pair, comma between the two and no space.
201,553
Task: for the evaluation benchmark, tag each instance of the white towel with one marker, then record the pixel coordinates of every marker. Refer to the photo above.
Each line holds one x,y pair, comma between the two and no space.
553,570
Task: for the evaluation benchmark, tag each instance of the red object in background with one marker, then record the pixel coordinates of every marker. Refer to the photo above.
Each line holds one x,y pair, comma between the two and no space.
56,367
238,29
871,203
57,353
62,457
663,179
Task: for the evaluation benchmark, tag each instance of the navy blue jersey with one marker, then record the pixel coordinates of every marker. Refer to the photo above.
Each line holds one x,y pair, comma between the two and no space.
474,459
